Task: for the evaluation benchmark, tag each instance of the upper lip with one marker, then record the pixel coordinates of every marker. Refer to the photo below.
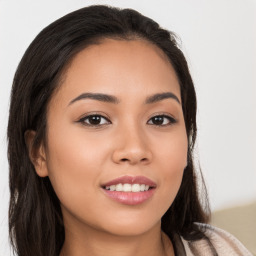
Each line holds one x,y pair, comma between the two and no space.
130,180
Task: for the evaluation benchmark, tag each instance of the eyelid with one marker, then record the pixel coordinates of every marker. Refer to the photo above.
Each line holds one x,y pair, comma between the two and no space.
88,115
81,119
172,119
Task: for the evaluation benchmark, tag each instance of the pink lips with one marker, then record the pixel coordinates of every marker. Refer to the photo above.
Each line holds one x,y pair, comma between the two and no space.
130,198
131,180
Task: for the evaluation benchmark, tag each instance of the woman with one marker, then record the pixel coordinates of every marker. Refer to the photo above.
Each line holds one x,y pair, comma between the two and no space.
101,134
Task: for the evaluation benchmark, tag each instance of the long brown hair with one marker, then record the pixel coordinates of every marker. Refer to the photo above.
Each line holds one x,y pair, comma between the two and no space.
35,218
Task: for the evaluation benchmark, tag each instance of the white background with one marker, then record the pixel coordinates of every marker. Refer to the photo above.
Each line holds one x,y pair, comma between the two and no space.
219,41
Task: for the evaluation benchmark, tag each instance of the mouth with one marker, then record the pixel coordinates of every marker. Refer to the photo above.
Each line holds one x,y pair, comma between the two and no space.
128,187
130,190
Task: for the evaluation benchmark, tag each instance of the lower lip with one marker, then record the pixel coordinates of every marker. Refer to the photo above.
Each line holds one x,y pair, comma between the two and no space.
130,198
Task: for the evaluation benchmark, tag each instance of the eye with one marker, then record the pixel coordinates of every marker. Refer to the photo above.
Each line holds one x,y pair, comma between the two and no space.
94,120
161,120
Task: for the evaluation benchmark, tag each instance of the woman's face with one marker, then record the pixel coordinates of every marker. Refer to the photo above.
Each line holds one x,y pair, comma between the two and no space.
116,119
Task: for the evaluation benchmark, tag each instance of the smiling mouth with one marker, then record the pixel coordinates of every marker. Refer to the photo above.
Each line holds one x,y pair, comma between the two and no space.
128,187
129,194
130,190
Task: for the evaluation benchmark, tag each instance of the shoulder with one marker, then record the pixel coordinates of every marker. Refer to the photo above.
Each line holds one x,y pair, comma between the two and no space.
215,242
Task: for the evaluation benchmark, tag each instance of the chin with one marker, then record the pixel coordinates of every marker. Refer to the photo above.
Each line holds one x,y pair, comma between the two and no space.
131,227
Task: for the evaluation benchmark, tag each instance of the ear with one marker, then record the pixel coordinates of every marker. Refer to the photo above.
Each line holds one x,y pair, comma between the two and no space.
36,154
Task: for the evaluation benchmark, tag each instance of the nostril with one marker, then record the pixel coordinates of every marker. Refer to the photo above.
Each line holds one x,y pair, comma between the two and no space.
127,160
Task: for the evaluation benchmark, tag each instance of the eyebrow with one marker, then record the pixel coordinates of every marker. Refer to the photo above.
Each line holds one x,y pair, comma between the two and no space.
161,96
112,99
96,96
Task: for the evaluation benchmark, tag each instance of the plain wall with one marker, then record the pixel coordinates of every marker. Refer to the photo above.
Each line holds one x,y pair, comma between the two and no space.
219,41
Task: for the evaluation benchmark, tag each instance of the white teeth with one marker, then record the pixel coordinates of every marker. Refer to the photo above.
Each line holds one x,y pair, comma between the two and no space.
119,187
112,188
128,187
135,188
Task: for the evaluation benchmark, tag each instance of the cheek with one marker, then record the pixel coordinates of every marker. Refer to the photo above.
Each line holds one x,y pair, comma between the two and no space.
171,151
172,160
74,151
74,163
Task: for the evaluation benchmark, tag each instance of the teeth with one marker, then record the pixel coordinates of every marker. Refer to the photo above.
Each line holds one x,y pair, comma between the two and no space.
112,187
119,187
142,187
128,187
135,188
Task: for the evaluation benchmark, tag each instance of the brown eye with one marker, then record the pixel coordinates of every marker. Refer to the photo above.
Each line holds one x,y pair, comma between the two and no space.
161,120
94,120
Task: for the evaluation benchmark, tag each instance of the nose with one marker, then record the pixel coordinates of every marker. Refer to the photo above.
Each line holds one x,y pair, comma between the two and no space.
132,147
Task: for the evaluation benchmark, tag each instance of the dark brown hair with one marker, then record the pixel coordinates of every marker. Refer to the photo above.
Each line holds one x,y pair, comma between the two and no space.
35,218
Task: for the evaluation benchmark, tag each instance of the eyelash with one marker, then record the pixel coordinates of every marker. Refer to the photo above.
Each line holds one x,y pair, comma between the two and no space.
99,116
170,119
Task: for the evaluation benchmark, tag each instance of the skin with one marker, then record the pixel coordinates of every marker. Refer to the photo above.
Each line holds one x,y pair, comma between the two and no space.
79,157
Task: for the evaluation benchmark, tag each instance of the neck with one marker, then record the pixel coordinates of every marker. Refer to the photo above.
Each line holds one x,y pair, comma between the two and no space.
90,241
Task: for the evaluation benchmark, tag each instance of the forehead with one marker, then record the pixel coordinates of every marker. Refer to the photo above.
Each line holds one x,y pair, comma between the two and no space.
119,66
